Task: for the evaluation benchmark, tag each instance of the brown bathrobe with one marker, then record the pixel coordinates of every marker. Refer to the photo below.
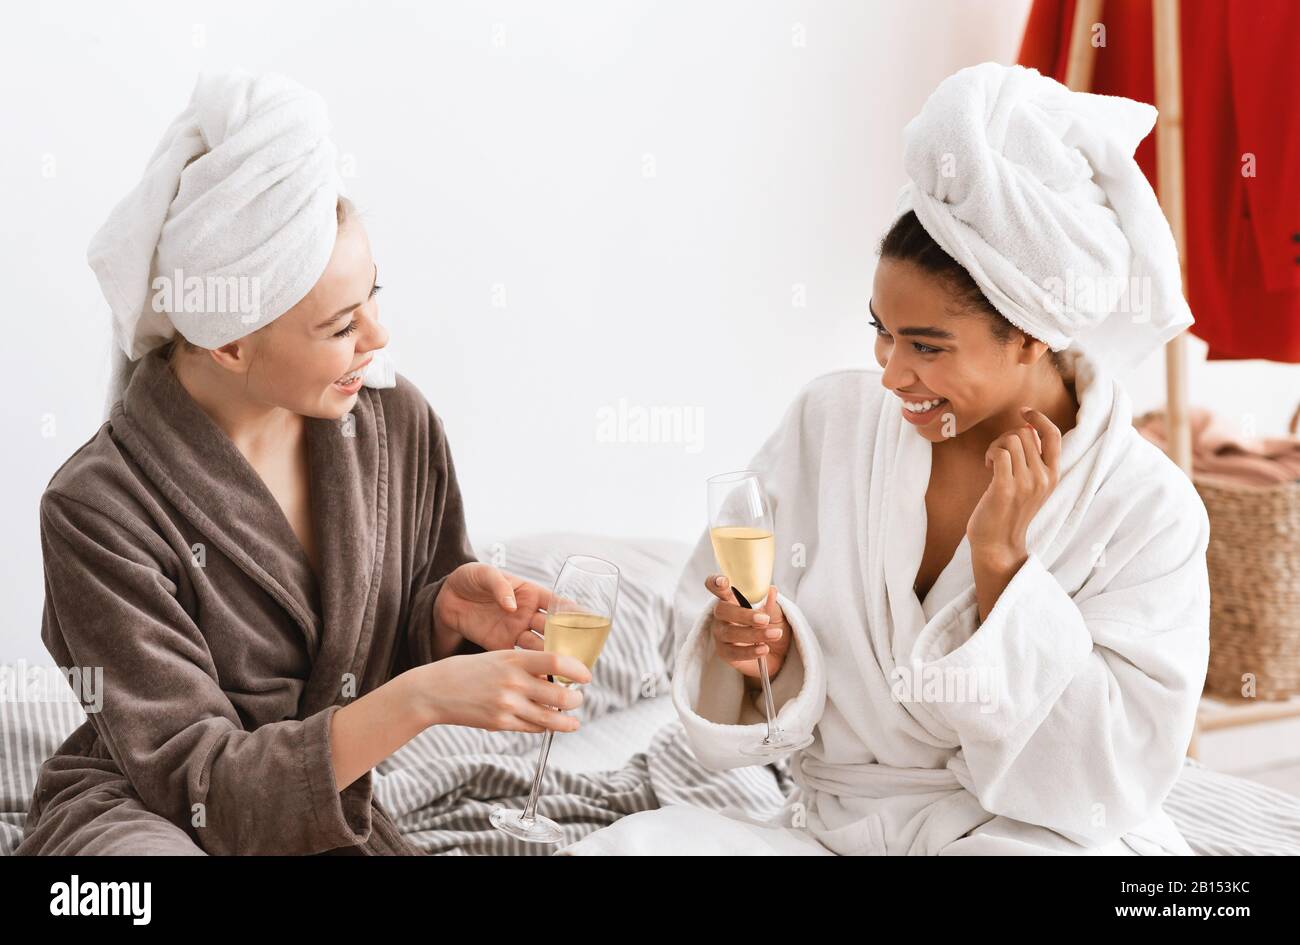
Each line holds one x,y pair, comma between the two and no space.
169,564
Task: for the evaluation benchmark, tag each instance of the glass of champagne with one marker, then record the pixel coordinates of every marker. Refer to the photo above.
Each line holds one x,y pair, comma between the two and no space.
741,528
578,622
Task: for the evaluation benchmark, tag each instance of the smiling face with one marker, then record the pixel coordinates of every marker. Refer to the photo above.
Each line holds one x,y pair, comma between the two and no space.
297,361
933,347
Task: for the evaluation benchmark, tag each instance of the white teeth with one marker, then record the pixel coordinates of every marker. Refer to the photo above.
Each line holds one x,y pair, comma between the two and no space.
345,381
923,406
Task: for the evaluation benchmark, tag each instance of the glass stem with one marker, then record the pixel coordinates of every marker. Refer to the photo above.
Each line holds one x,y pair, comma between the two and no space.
768,704
530,811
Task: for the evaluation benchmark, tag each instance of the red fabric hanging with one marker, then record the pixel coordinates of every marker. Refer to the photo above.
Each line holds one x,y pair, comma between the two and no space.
1241,73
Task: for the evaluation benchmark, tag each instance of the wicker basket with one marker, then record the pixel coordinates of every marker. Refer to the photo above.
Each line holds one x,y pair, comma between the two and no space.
1254,565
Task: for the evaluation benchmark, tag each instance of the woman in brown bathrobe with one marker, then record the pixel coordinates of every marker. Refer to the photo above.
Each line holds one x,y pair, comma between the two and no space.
273,572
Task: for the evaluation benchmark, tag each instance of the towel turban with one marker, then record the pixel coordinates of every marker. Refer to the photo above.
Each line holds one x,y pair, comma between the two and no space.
1034,190
243,185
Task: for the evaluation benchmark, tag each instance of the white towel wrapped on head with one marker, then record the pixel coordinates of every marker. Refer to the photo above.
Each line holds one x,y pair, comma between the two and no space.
243,185
1034,190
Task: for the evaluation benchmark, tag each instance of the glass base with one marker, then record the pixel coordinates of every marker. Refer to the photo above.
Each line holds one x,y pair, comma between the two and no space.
538,830
780,744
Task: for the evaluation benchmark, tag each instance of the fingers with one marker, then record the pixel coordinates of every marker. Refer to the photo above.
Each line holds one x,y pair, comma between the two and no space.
503,589
741,654
998,445
771,607
545,717
1040,438
719,587
1015,448
543,595
736,624
1011,444
1039,475
554,664
1028,468
1020,444
1001,461
1032,440
730,633
1049,435
552,695
544,703
734,613
529,640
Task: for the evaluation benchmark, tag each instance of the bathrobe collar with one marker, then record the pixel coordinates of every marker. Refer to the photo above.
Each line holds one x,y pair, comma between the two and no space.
192,461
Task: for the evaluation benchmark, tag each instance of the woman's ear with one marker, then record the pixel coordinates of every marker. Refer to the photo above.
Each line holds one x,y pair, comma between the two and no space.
235,356
1031,350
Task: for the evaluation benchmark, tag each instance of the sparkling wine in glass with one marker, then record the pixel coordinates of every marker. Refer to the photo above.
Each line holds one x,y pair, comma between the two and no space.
744,543
578,622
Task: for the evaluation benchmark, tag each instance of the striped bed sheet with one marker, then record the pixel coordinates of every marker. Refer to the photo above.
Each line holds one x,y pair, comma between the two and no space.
441,786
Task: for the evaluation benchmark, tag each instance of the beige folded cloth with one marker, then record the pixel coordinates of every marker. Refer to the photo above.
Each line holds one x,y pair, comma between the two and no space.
1220,454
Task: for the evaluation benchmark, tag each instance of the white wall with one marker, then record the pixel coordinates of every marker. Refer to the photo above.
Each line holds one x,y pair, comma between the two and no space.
574,206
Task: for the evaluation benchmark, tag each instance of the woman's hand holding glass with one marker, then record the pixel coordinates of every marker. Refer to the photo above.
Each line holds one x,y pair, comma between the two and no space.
500,691
741,636
578,622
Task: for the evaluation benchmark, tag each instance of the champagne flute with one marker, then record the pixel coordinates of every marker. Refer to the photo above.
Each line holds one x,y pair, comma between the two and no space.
744,543
578,622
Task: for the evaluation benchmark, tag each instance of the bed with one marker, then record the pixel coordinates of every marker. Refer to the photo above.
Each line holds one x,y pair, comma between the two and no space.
630,754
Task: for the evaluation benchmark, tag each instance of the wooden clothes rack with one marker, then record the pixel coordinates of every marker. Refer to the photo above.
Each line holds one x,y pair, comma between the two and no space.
1172,192
1170,187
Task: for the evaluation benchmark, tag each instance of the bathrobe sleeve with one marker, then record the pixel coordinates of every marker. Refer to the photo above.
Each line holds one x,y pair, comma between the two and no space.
442,540
717,712
1085,705
172,731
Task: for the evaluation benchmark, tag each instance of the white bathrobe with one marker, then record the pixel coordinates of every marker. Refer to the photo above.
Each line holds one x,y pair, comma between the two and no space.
1081,686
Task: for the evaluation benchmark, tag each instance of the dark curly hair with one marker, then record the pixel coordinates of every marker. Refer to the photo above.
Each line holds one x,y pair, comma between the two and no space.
908,241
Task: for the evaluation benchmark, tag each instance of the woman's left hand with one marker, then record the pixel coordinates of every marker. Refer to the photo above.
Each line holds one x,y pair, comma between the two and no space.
1025,465
491,608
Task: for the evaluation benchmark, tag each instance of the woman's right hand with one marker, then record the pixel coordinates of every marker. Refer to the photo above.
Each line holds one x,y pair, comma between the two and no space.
500,691
741,635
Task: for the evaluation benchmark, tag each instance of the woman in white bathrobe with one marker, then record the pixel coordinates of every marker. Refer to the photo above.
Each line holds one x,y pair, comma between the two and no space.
993,623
